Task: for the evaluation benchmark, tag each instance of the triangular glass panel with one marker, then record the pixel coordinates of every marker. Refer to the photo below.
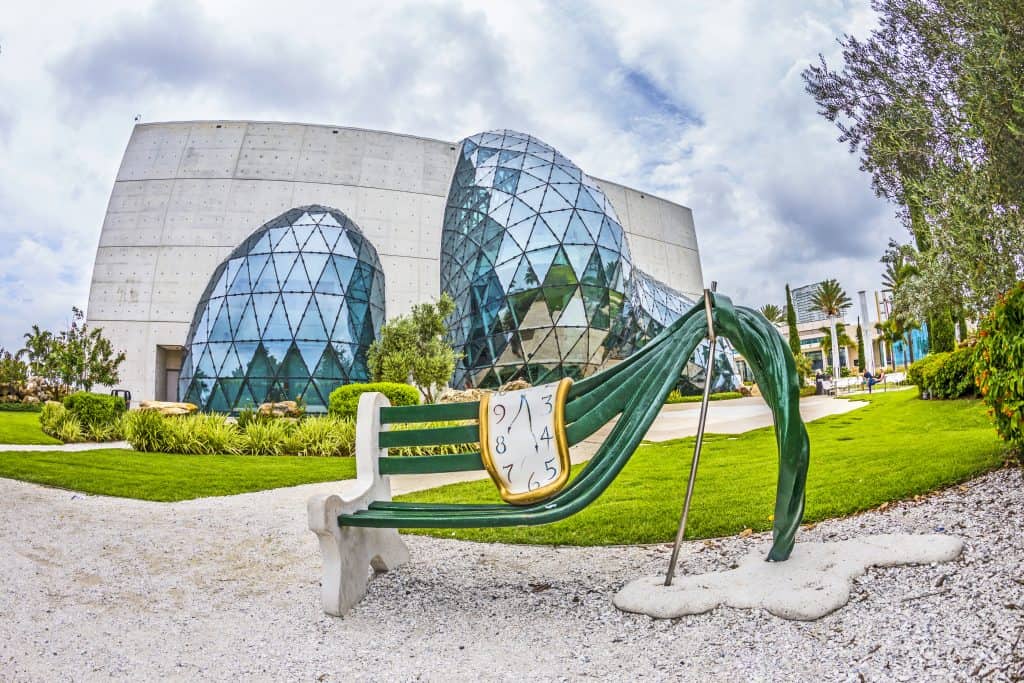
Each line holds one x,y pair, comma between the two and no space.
533,198
541,261
266,281
303,233
276,353
312,327
316,244
329,282
231,387
542,236
263,245
295,305
314,263
520,212
558,221
220,331
218,402
327,367
585,202
345,268
311,352
293,366
277,326
554,202
288,243
577,232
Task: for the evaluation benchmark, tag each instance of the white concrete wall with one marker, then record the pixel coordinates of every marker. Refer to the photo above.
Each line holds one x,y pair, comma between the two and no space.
187,193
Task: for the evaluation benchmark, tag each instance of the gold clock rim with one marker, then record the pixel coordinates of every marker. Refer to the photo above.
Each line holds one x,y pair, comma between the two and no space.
561,447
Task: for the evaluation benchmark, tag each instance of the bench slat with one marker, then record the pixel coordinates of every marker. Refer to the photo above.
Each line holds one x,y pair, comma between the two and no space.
429,437
436,412
431,464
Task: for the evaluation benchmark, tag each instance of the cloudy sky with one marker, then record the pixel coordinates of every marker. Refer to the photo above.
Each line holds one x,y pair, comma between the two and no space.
699,102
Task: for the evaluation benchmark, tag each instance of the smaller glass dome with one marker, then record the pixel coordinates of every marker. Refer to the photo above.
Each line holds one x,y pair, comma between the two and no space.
290,313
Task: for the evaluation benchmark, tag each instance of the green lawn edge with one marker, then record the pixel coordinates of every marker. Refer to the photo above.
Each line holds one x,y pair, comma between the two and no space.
168,477
19,428
895,448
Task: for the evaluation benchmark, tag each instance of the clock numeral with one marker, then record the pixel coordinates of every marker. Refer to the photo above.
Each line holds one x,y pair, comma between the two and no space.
500,446
500,407
546,436
532,485
549,468
508,473
547,402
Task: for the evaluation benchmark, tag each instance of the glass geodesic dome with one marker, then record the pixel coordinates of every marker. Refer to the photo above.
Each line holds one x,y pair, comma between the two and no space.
290,313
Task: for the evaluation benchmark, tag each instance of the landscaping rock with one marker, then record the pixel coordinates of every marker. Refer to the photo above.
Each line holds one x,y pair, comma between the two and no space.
462,395
169,407
515,385
280,409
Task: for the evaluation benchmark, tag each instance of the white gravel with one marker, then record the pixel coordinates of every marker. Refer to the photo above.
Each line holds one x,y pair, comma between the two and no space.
225,588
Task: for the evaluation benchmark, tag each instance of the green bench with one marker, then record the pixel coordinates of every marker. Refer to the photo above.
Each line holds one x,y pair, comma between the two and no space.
361,531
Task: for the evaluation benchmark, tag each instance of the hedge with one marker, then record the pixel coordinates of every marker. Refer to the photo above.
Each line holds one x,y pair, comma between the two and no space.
999,365
19,407
100,410
944,375
344,401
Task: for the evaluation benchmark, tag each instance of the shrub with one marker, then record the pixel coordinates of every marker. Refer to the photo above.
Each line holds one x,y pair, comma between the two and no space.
808,391
95,409
18,407
96,432
147,431
999,365
266,437
954,377
202,435
944,375
323,436
344,400
60,423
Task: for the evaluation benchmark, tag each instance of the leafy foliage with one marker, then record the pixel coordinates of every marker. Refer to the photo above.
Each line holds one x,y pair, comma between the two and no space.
841,335
79,356
13,372
831,299
773,313
199,434
944,375
933,100
413,348
344,401
794,333
999,365
95,410
676,397
57,421
444,449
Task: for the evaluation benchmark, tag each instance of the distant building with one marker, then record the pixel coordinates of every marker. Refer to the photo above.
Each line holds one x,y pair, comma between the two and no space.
803,302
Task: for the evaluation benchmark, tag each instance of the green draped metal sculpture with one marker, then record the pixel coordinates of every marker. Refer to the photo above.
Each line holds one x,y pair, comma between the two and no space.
361,530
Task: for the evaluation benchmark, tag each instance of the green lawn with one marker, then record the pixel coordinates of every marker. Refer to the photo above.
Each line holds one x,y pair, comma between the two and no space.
166,477
895,448
22,428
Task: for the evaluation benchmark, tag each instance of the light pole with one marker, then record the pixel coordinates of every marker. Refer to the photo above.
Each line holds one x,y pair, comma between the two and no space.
835,349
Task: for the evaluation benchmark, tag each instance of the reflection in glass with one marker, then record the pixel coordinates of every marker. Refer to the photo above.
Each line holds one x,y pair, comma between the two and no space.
291,312
538,265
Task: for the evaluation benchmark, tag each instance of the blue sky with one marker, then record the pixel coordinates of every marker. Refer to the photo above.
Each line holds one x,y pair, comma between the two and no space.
698,102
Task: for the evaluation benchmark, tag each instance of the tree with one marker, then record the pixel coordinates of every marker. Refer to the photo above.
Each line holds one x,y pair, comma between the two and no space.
841,336
773,313
13,372
82,357
831,299
412,348
36,352
933,101
861,358
794,334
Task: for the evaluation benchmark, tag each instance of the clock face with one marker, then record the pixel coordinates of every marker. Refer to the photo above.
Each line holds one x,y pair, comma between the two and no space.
522,438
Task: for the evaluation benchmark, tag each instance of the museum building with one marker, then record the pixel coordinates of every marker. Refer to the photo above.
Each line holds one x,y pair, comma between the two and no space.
245,261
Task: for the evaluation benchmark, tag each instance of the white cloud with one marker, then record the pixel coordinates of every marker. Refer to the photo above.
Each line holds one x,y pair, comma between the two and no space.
700,102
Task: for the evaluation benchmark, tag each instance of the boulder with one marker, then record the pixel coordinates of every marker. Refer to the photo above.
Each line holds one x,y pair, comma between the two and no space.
745,390
169,407
280,409
515,385
462,395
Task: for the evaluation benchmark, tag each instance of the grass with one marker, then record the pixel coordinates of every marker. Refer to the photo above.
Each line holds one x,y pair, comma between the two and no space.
168,477
22,428
894,448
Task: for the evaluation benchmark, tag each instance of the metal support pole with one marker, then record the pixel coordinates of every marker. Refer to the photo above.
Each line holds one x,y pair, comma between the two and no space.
700,435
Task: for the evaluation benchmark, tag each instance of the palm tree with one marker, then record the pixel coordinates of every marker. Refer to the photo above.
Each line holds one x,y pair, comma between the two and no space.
38,345
832,300
842,336
773,313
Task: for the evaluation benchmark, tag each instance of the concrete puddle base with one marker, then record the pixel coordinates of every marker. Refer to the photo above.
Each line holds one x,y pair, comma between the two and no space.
813,582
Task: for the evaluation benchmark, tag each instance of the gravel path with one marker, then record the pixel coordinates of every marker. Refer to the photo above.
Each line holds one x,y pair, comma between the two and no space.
226,588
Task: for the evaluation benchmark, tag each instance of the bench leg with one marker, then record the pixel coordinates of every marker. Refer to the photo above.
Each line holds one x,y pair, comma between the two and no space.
348,554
